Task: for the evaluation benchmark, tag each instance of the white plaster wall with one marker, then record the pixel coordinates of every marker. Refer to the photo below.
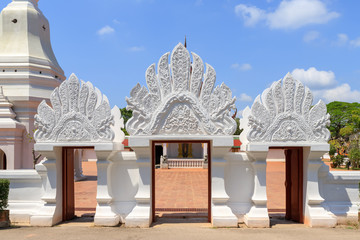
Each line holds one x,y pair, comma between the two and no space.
239,183
26,190
340,189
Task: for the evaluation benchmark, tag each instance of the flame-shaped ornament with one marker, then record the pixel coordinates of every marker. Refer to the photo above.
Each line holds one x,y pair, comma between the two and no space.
179,101
79,113
284,113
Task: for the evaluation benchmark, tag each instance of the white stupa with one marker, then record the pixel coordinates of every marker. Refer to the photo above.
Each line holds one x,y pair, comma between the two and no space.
29,72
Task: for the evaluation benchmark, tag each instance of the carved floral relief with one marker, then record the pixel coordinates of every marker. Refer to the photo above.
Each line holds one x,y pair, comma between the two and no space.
283,113
79,113
181,99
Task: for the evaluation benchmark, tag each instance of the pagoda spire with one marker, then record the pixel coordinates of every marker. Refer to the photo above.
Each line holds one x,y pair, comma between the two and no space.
6,111
29,73
34,2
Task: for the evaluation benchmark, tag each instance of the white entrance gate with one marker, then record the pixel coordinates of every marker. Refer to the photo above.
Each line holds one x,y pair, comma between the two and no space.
80,116
181,103
284,117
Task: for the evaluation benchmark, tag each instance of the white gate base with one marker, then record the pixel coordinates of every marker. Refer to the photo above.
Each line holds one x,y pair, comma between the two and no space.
104,216
319,217
258,217
222,216
140,216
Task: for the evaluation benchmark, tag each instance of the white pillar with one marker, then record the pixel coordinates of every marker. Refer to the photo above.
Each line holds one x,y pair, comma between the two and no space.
222,216
104,216
140,216
51,212
204,149
78,171
315,214
258,215
165,148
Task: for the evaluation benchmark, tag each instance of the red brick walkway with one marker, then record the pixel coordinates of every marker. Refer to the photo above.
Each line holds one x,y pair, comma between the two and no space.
181,189
275,187
85,191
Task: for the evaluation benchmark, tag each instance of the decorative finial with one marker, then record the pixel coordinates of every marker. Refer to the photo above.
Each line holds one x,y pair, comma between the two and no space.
185,42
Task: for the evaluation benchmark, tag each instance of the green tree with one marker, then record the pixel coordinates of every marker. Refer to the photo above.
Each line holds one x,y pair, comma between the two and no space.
354,156
126,114
238,130
344,119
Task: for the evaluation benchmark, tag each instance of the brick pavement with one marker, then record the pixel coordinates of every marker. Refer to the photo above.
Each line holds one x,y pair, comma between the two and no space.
275,187
85,191
181,190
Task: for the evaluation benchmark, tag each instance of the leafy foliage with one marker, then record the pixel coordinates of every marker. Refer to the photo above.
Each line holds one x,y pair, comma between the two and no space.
4,193
354,156
345,119
337,160
345,129
238,130
126,114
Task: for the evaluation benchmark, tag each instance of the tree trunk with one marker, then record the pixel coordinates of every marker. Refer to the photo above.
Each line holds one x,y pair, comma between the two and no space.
4,218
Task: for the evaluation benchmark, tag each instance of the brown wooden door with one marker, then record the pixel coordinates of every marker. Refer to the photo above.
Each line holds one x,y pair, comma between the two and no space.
68,183
294,184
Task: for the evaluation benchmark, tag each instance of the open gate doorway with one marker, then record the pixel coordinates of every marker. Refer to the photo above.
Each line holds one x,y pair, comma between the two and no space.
69,198
285,180
181,211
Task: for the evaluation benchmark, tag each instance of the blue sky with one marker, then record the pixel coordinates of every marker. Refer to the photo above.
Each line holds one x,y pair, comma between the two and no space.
249,43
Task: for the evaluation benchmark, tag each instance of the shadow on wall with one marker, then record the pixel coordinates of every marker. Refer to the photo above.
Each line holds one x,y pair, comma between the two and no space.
240,186
124,182
341,193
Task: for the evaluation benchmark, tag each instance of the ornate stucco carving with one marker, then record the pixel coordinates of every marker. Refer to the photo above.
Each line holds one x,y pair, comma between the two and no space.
284,113
179,101
79,113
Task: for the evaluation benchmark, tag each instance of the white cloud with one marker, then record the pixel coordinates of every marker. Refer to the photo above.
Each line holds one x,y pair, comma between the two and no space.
342,93
290,14
241,67
105,30
115,21
356,42
313,78
298,13
136,49
342,39
311,36
251,15
245,98
323,85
